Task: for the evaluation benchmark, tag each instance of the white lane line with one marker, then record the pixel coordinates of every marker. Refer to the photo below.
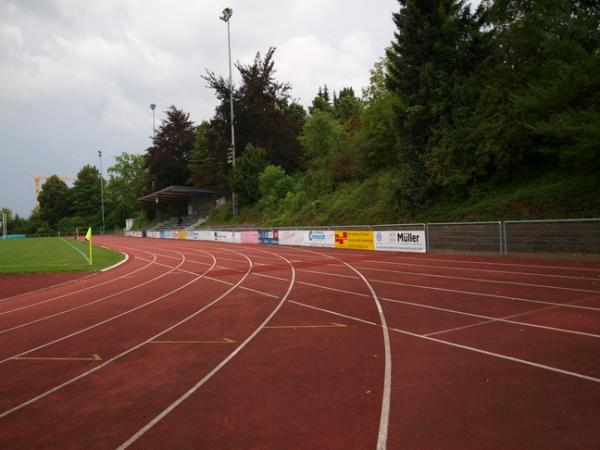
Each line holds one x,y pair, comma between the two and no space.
114,266
52,286
126,352
469,269
396,259
463,347
483,294
208,376
76,249
83,330
505,319
487,319
487,263
112,280
387,376
85,305
483,280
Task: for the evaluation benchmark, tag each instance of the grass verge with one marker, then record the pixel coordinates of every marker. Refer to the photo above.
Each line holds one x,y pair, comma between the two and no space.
52,255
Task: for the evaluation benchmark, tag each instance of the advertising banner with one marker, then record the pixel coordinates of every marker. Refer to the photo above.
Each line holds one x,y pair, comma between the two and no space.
223,236
361,240
400,241
291,237
200,235
319,238
268,237
248,237
181,235
163,234
153,234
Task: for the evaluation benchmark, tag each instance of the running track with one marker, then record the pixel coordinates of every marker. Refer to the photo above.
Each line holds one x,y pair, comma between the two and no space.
206,345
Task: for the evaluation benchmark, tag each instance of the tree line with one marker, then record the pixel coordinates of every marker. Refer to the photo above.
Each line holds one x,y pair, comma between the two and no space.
461,101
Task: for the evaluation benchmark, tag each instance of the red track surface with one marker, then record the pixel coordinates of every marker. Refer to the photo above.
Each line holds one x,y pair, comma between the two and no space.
205,345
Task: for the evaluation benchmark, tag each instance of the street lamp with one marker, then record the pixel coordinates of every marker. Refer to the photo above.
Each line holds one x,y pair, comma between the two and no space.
101,188
153,107
227,13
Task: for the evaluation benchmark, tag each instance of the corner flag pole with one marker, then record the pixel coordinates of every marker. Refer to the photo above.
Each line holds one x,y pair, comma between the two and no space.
88,237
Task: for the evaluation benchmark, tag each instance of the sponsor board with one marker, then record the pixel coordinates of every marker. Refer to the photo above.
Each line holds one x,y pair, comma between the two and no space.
291,237
200,235
181,235
223,236
361,240
268,237
248,237
163,234
153,234
319,238
400,241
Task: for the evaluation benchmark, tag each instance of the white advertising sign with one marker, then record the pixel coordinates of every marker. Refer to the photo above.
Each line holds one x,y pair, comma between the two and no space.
223,236
400,241
291,237
319,238
200,235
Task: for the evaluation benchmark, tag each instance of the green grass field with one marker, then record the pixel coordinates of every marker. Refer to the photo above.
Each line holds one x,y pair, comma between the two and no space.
52,255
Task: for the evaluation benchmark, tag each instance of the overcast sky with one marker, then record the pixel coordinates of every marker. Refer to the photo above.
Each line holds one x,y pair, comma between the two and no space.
78,76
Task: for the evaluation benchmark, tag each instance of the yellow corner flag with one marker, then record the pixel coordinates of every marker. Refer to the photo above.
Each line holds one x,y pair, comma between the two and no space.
88,237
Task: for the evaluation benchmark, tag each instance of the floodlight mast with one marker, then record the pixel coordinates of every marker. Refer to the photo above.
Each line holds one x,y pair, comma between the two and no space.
227,13
101,188
153,107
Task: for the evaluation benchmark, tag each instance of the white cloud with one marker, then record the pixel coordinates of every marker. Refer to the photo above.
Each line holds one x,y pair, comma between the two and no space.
77,76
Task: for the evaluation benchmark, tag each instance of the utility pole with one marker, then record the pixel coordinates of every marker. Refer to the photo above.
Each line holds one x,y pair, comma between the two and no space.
101,188
227,13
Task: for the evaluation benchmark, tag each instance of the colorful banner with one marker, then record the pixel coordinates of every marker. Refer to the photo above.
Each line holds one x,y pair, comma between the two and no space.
181,235
361,240
400,241
248,237
268,237
319,238
291,237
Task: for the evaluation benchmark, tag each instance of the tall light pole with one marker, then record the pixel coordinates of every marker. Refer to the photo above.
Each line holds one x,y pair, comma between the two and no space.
153,107
101,188
227,13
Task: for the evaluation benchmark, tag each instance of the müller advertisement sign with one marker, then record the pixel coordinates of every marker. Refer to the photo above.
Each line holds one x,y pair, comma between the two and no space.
400,241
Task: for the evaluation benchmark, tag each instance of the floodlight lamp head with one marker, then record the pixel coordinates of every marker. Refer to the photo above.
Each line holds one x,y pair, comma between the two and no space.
152,106
227,13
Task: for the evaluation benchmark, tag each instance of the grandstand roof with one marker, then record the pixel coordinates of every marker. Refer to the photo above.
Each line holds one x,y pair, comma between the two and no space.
173,192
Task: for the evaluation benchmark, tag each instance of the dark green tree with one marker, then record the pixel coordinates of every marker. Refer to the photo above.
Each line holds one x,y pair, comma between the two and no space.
167,160
54,200
128,177
429,59
243,178
346,106
208,164
321,102
86,197
264,113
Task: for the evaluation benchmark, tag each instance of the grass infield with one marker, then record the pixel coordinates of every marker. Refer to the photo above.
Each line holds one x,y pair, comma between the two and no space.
52,255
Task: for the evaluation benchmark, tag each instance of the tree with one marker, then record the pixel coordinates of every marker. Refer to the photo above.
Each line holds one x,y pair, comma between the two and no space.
324,143
127,179
432,55
208,165
243,178
346,106
54,200
86,196
274,185
167,160
265,115
321,101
